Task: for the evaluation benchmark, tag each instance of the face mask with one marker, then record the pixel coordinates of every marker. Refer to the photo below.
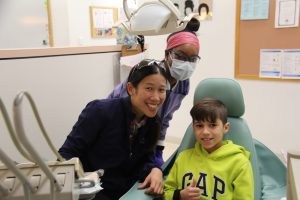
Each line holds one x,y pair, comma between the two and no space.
182,70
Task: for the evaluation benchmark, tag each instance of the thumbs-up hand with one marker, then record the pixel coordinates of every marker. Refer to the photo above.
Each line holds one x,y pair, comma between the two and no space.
191,192
193,183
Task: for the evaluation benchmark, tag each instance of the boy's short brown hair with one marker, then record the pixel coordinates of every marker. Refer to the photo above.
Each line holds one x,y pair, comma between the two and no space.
209,109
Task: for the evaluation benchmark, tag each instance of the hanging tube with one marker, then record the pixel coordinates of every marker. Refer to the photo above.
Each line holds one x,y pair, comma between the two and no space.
13,134
21,134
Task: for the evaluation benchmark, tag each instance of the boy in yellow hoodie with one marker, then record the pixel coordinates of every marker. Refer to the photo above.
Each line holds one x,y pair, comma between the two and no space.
213,169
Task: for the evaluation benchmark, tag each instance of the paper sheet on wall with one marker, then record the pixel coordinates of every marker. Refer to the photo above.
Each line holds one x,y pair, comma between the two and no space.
270,63
103,18
127,62
291,64
287,13
280,63
254,9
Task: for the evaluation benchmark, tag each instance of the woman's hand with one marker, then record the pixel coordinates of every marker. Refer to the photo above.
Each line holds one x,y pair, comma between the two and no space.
191,192
154,182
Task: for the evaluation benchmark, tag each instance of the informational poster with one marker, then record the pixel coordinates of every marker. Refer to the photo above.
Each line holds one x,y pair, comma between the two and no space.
103,20
291,64
254,9
287,13
280,63
270,63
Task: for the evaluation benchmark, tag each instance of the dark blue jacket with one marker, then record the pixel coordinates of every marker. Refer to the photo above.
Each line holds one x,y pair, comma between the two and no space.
172,103
100,138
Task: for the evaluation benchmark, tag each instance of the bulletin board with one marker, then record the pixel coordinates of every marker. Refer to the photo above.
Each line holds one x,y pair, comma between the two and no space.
103,20
253,35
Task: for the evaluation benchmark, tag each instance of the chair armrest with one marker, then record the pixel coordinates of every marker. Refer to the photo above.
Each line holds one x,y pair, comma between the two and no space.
135,193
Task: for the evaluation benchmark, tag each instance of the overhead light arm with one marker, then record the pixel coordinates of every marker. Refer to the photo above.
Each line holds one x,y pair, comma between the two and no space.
155,18
126,9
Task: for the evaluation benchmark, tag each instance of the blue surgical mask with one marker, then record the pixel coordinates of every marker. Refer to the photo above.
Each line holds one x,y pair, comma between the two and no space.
182,70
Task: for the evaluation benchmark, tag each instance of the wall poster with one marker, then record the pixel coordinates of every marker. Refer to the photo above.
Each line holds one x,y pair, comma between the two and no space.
202,8
103,21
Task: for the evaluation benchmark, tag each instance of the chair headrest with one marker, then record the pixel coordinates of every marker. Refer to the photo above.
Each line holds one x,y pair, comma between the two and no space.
226,90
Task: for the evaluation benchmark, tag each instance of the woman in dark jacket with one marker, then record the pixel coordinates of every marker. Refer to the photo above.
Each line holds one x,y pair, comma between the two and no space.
119,135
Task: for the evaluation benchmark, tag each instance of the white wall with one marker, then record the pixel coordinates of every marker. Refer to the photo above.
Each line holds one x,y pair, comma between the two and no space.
60,23
71,22
23,24
61,86
272,110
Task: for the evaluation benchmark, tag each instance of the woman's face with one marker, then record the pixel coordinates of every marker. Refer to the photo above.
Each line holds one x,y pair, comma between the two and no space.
147,97
187,50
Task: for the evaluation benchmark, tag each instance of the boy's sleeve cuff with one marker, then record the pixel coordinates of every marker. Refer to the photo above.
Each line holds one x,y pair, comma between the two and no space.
176,195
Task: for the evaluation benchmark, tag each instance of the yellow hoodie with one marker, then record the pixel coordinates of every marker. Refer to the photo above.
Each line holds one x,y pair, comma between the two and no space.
223,174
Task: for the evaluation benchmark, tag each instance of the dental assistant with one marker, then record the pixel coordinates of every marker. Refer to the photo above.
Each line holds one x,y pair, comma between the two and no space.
119,135
181,58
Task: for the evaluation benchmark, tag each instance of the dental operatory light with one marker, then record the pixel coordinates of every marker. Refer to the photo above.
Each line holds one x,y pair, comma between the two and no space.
155,18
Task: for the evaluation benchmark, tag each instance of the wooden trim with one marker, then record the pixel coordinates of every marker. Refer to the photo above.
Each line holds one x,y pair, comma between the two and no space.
237,36
50,23
255,77
56,51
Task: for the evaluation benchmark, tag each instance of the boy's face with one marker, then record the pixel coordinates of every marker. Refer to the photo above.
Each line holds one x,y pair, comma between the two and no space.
210,135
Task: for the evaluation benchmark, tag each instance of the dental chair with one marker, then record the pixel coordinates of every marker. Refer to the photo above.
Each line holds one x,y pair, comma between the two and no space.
269,172
272,172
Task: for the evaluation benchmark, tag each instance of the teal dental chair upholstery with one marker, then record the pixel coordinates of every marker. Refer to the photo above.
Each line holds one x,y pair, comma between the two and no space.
272,171
269,172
